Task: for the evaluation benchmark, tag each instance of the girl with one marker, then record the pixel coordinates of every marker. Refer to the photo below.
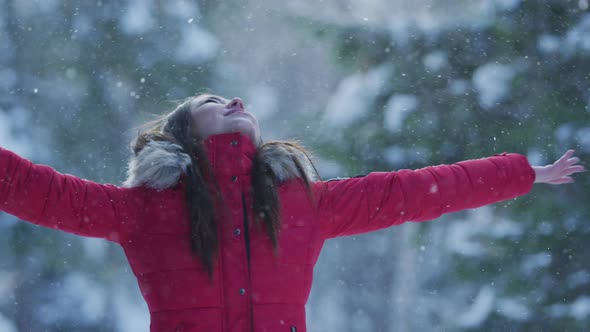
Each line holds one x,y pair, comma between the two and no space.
222,230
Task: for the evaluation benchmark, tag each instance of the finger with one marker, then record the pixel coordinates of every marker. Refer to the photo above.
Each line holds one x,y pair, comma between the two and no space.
571,170
573,161
561,180
565,157
574,169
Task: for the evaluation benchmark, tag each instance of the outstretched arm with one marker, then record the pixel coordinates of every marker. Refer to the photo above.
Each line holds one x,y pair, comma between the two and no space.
560,171
41,195
382,199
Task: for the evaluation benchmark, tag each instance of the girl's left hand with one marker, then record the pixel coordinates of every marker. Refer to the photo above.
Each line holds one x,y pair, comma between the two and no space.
560,171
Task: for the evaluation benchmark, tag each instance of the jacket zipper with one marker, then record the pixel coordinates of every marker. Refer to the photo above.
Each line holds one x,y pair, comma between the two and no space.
247,238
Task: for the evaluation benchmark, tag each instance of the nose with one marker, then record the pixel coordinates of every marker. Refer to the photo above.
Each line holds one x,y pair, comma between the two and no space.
237,103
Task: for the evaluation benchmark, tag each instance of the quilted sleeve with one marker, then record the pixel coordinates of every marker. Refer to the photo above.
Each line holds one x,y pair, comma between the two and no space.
43,196
381,199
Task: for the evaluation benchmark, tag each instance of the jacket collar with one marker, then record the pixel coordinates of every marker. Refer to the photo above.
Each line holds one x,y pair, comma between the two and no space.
230,154
161,164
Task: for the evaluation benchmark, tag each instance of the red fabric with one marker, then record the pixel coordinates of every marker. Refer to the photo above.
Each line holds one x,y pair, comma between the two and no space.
153,229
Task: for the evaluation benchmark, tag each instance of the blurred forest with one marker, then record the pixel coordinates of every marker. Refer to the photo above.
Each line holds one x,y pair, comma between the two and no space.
372,85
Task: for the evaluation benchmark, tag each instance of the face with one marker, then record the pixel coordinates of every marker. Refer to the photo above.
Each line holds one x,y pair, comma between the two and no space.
216,115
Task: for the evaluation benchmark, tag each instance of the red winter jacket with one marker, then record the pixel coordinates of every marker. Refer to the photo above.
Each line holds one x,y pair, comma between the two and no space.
266,292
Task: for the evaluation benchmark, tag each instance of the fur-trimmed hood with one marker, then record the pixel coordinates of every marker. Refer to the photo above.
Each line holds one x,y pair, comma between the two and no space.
161,164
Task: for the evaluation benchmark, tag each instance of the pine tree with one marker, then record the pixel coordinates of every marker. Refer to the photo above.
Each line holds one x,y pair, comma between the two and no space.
85,73
517,82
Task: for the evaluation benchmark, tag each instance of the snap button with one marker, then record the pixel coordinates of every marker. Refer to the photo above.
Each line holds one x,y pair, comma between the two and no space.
237,231
234,143
242,291
234,178
293,329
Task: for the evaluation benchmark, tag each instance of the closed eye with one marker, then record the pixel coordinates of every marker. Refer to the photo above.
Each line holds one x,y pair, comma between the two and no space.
211,100
215,100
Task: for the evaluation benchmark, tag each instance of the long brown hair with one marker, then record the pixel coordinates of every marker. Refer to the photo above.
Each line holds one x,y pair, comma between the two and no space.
201,191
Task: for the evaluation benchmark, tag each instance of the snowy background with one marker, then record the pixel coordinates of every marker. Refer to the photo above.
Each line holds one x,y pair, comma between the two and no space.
371,85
